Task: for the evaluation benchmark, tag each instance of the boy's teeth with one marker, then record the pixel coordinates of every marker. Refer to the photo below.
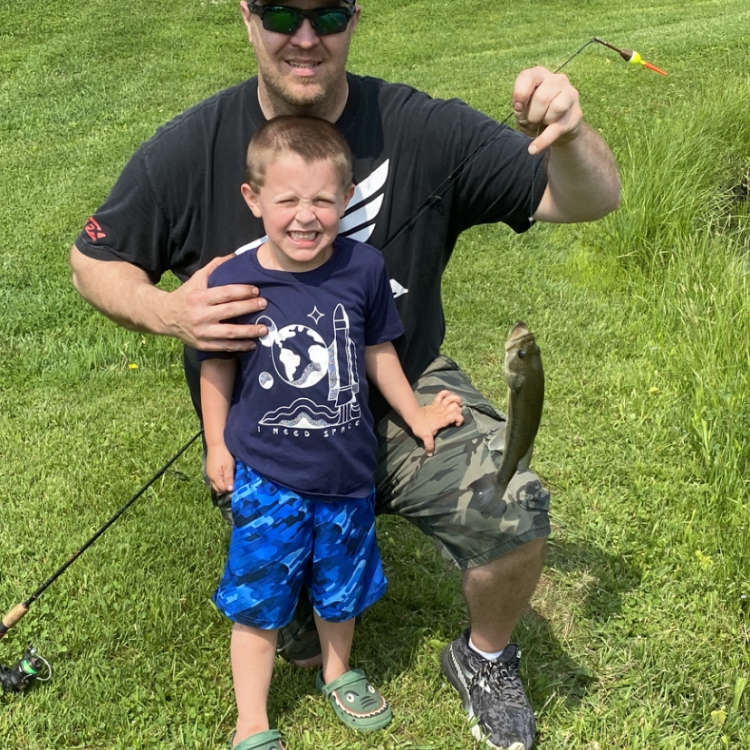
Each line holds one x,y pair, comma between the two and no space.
303,235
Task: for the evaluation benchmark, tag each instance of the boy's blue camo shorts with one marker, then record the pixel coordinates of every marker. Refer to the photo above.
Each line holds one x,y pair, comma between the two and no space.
282,541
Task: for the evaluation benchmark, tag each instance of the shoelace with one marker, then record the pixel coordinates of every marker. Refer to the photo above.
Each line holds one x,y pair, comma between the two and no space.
495,673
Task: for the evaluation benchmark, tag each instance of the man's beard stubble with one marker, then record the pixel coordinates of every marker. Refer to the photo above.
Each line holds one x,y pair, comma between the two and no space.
317,102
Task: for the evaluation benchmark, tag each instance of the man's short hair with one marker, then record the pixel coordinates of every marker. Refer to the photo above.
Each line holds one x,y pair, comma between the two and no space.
269,2
311,138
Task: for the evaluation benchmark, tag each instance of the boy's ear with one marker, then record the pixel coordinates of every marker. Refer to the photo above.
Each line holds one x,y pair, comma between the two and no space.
348,196
251,199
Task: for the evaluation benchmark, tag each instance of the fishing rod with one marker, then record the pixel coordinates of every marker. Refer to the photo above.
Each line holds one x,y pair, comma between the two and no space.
28,667
630,56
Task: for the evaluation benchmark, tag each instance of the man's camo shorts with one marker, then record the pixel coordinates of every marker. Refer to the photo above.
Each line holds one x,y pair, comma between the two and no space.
282,541
435,493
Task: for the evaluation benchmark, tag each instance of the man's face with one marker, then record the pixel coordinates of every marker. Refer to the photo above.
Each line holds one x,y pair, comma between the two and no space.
300,72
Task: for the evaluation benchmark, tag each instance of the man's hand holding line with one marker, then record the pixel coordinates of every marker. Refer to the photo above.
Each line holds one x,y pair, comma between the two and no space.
583,183
547,108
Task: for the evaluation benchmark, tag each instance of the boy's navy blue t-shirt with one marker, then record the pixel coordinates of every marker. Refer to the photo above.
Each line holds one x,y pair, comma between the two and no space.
299,412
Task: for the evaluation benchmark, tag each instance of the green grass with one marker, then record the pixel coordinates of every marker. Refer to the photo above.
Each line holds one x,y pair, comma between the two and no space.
638,636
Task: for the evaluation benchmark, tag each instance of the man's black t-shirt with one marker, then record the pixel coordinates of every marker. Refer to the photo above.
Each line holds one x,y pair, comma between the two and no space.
177,203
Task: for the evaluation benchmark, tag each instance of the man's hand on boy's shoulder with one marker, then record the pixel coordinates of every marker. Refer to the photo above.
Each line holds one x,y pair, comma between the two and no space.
199,315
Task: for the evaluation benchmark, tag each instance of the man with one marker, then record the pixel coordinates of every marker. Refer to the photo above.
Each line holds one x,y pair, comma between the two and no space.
177,205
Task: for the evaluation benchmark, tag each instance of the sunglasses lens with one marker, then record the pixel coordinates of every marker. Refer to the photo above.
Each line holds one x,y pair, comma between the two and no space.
281,20
330,21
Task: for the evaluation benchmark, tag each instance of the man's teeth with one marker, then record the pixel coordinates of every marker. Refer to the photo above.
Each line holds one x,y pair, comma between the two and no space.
304,64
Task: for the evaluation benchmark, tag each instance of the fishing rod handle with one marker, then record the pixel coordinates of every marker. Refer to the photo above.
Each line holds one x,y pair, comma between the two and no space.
12,618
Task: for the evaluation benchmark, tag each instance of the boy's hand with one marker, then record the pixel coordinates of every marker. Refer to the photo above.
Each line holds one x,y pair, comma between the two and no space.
220,469
429,420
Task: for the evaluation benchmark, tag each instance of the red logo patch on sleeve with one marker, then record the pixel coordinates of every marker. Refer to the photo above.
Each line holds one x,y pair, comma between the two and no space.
93,229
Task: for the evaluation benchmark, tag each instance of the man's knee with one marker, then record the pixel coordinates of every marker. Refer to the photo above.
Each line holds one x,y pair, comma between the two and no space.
534,549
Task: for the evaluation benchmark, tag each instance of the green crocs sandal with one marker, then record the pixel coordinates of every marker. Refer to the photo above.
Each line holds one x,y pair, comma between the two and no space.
355,701
269,740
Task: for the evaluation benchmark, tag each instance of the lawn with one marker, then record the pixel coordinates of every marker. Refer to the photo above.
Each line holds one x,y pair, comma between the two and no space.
639,633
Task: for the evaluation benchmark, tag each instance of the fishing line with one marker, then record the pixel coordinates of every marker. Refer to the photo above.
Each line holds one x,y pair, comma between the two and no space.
484,488
500,131
19,611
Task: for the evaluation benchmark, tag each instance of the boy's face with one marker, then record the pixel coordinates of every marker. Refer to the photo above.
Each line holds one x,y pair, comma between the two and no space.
300,205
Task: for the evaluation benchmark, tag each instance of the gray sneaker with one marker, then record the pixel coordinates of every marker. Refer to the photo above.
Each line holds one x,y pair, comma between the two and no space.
492,693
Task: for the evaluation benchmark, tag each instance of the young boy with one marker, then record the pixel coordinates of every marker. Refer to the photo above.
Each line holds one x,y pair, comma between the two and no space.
288,429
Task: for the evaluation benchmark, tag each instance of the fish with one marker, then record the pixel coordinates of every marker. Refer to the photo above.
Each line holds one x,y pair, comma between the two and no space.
524,376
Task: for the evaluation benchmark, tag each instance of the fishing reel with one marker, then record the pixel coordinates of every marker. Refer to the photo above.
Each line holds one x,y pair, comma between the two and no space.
24,672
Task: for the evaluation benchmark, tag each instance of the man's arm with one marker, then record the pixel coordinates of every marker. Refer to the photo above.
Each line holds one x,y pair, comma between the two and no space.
583,183
192,313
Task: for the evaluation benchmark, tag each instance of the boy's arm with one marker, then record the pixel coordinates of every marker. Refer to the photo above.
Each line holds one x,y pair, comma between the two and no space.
217,385
384,369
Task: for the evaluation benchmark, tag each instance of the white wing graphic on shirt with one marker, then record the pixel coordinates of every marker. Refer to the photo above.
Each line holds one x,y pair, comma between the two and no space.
364,206
396,289
367,213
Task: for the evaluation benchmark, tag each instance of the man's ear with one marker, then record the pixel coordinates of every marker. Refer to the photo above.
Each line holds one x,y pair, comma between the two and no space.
251,199
357,14
246,16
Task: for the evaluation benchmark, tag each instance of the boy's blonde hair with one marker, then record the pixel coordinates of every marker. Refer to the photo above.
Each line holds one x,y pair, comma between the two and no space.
311,138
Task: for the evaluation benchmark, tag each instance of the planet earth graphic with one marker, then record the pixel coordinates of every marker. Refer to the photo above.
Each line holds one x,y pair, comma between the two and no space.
300,355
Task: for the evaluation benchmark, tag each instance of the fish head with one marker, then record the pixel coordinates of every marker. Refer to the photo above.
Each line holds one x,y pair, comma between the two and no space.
522,355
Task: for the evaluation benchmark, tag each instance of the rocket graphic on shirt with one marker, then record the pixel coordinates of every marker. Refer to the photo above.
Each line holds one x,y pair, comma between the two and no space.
300,357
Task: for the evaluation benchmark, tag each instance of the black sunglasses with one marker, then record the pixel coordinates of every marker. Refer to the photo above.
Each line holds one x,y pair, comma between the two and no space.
282,19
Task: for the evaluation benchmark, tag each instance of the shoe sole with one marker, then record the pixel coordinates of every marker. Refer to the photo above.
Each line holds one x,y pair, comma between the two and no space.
454,675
